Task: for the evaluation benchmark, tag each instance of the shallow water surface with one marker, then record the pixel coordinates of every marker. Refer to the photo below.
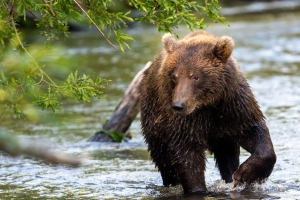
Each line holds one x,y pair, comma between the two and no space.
268,51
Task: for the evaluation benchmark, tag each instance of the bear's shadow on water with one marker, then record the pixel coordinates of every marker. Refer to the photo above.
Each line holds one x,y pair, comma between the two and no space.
245,194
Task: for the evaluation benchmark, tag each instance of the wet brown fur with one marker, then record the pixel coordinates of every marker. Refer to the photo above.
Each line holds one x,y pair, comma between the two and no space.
220,114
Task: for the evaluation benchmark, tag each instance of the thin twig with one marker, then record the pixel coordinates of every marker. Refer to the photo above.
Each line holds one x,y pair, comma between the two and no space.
34,16
42,79
20,42
12,8
50,9
7,7
41,71
94,23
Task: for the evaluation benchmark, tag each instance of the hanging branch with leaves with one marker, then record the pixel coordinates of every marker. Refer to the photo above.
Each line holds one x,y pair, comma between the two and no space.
25,81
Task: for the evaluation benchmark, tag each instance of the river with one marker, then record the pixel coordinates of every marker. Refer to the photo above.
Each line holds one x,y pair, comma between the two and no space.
267,48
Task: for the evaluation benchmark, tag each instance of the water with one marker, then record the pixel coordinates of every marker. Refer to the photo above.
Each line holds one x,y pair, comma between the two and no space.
268,50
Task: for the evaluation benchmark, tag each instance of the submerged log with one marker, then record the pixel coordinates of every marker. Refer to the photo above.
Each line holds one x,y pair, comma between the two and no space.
125,112
13,146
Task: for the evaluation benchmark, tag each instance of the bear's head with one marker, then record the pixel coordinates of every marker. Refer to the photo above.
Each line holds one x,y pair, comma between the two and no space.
195,67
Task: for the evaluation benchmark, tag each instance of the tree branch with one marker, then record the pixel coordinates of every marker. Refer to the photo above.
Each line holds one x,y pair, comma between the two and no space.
94,23
11,145
20,42
50,9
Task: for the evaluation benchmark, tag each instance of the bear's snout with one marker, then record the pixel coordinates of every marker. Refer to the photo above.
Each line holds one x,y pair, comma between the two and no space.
178,106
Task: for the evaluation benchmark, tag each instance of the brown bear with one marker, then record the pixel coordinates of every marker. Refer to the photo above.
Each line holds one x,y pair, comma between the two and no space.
194,97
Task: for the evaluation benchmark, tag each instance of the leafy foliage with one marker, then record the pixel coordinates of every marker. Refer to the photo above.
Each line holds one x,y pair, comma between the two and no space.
29,83
167,15
24,79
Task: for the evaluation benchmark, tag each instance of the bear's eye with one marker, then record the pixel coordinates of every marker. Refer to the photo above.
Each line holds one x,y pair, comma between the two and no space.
173,77
196,78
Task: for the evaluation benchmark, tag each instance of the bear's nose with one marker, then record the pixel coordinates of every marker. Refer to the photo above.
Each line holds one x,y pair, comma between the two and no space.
178,106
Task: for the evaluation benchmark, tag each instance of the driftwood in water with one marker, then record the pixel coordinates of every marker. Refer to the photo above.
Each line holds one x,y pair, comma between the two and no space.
125,112
13,146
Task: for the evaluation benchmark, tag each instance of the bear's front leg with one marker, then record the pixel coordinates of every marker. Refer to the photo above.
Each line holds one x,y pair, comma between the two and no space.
191,172
226,152
262,160
169,173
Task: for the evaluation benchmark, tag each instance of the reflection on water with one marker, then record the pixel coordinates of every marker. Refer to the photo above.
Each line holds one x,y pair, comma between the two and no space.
268,51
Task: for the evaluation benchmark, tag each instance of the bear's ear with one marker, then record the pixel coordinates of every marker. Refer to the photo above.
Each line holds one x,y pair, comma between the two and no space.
169,42
223,48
